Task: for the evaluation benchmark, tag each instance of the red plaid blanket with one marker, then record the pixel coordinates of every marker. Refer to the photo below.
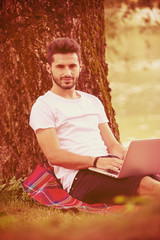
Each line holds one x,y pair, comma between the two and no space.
43,186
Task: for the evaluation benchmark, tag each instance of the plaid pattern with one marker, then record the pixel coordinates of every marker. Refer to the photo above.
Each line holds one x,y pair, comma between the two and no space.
43,186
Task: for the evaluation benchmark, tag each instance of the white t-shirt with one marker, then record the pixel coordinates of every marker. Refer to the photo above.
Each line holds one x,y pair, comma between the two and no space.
76,122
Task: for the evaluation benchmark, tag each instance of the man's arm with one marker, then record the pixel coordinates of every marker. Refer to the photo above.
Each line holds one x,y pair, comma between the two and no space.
48,141
113,146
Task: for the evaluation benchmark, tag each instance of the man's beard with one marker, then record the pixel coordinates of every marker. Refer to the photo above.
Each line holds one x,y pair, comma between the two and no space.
58,82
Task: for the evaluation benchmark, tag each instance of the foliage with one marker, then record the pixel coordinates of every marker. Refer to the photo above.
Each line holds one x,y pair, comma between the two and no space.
12,189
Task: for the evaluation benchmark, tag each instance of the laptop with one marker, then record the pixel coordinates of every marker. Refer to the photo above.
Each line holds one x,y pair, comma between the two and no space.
142,159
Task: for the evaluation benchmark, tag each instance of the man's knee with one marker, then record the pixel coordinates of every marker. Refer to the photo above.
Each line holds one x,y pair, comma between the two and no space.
148,187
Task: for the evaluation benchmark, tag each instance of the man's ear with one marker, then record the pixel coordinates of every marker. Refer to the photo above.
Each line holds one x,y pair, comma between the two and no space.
48,67
80,66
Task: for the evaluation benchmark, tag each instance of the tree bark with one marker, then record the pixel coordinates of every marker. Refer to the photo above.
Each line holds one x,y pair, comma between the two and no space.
26,28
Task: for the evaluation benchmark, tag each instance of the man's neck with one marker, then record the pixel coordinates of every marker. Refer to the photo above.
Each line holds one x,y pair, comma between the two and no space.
66,93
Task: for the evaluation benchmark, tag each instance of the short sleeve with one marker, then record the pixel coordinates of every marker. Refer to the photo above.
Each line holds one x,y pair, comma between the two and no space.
102,115
41,116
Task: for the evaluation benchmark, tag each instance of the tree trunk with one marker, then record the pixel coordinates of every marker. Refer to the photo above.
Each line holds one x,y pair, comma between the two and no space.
26,28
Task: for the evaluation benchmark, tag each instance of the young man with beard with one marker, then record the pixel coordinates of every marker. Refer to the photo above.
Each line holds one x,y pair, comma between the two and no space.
72,130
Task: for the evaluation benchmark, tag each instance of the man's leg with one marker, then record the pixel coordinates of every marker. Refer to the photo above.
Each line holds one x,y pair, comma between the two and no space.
92,187
149,187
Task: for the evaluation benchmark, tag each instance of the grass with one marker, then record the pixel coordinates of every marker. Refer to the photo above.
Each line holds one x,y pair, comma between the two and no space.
23,218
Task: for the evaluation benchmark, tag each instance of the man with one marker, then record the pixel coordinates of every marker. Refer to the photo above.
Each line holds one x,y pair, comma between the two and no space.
72,130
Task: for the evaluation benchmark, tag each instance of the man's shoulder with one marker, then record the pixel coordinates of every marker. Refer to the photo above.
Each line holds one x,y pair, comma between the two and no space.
45,98
91,98
87,95
42,101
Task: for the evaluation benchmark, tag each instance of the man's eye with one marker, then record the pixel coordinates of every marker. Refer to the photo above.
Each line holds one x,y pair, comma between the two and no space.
73,65
59,66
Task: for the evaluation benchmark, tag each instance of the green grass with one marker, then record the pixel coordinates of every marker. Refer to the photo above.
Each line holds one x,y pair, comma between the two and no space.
27,219
23,218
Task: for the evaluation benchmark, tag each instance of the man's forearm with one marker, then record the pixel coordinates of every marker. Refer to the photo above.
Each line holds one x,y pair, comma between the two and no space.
70,160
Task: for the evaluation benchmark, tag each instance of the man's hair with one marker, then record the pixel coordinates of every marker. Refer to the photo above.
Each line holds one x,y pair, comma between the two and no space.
63,45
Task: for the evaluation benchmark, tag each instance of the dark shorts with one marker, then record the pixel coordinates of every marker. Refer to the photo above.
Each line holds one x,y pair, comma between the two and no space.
92,187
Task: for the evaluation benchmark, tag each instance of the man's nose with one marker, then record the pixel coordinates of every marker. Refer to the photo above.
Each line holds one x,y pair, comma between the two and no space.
68,71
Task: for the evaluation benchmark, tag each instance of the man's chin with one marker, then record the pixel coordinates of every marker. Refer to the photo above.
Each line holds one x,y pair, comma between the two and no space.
67,85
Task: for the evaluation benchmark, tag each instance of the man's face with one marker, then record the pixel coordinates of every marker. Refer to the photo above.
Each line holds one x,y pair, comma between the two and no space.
65,70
